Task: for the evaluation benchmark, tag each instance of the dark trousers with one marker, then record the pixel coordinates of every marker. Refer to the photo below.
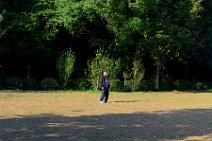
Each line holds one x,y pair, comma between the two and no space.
105,94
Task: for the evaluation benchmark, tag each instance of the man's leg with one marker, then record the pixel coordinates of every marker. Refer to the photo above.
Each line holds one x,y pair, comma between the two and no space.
106,95
102,96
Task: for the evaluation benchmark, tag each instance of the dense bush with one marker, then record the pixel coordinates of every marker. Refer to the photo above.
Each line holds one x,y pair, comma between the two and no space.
127,85
183,85
132,85
116,85
65,66
201,86
48,84
14,82
82,84
137,75
166,83
147,85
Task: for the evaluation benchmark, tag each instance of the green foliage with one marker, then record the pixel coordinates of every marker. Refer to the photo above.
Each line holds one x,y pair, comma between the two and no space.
127,85
144,85
166,82
147,85
183,85
201,86
14,82
196,8
137,74
82,84
97,64
116,85
65,66
126,34
48,84
133,78
162,30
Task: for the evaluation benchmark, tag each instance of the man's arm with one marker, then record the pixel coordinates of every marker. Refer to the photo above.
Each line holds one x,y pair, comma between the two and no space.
101,81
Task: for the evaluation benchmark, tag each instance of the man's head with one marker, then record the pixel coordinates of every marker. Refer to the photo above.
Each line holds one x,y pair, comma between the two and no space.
105,72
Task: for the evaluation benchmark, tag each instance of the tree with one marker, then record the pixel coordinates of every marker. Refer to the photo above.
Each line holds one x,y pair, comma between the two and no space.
165,31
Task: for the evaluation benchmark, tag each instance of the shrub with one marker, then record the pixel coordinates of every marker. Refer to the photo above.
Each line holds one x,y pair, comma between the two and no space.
134,76
183,84
132,85
201,86
29,83
49,84
82,84
65,66
166,83
127,85
97,64
14,82
116,85
147,85
137,75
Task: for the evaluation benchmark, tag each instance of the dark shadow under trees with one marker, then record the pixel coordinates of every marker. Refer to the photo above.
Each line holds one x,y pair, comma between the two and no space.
173,125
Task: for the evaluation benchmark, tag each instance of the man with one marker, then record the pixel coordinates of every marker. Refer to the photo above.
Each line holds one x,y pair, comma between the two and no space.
105,85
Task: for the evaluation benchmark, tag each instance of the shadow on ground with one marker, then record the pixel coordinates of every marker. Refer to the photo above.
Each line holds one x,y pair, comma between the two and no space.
172,125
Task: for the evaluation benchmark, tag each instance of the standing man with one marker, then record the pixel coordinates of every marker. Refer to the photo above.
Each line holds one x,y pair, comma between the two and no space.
105,85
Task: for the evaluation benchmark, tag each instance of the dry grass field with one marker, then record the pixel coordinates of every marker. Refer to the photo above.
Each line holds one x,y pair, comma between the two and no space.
78,116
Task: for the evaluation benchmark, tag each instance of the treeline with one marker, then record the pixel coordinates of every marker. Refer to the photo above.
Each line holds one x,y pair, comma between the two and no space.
146,44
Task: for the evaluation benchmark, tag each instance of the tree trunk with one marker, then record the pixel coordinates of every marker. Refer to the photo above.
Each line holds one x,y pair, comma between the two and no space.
157,79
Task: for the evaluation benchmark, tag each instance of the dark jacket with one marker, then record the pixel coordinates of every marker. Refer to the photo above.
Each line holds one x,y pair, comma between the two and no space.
104,81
